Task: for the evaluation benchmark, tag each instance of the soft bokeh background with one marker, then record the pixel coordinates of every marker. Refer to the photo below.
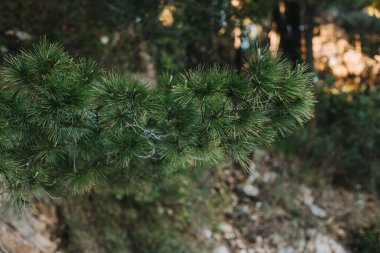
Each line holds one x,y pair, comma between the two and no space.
316,191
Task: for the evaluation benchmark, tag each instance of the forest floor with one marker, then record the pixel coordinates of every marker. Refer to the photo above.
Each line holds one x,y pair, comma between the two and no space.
275,208
281,208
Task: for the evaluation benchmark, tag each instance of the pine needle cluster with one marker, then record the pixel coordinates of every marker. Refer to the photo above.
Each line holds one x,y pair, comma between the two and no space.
68,125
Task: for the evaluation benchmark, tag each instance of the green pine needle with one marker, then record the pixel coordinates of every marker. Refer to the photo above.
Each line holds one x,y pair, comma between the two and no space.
66,123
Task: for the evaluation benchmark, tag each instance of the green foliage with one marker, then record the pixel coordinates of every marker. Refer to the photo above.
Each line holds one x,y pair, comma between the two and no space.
367,239
131,25
344,143
162,219
68,125
359,22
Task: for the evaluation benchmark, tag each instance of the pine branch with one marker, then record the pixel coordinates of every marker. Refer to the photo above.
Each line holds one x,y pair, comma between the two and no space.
67,125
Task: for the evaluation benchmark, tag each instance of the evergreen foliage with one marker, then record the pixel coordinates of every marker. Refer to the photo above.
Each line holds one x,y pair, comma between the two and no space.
344,144
67,125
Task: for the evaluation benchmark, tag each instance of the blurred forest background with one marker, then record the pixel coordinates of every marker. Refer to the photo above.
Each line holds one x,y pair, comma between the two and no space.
316,191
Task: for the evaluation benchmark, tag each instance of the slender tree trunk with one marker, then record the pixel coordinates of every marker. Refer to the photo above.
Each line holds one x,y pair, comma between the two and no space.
288,22
309,33
238,59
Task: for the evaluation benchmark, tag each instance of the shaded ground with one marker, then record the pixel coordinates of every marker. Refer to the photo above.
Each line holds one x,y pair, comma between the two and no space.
277,207
280,208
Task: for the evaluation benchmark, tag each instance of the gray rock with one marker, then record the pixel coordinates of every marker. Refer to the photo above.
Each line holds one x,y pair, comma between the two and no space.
269,177
249,190
228,230
207,233
362,201
221,249
243,210
316,210
306,194
22,35
324,244
29,233
286,250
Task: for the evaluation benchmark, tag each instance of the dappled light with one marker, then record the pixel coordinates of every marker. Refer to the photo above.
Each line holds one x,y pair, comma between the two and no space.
373,11
166,16
350,66
190,126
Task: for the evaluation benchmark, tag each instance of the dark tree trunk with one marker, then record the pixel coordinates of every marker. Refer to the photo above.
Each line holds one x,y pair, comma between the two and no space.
239,59
288,25
309,14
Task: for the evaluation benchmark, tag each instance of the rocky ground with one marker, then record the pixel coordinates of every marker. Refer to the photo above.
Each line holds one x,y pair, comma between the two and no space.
33,232
276,210
272,209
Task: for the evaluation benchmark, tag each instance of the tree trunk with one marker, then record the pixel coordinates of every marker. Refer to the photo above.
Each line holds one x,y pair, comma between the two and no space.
288,25
239,59
309,25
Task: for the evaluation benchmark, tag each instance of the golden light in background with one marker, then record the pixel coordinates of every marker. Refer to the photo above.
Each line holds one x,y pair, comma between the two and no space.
342,45
247,21
236,33
372,11
354,62
358,43
222,30
282,7
237,4
349,88
166,16
333,51
274,40
339,70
